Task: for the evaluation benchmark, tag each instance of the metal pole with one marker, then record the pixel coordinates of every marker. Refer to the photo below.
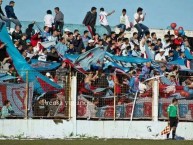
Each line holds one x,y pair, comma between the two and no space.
66,95
27,96
69,97
114,104
155,90
74,103
134,102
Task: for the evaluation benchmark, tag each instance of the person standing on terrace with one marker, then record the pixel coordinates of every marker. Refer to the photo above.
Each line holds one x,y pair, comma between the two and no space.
103,19
90,20
59,20
49,20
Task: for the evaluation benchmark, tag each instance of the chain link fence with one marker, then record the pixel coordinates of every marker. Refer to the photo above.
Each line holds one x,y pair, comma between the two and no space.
110,96
27,103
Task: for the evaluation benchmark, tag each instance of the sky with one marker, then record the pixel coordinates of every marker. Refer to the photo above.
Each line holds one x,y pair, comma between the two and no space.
160,13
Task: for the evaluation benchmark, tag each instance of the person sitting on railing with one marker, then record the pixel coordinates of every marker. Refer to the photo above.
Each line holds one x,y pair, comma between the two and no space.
7,111
11,14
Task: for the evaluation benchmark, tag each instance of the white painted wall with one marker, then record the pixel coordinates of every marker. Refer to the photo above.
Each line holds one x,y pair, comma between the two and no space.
49,129
102,129
159,32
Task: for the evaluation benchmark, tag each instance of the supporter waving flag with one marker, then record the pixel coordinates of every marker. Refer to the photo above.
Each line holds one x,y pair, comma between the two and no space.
22,66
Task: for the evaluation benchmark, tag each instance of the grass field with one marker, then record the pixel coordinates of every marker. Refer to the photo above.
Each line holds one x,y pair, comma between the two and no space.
95,142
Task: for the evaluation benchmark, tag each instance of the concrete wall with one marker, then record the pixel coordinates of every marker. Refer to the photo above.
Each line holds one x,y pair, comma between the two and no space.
159,32
102,129
52,129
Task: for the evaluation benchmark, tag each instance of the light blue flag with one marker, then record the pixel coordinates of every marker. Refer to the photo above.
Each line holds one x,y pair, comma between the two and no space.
23,67
93,57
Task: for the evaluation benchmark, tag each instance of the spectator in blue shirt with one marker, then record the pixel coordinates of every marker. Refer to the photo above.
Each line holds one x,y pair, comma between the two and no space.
46,33
134,82
7,110
146,71
176,53
61,47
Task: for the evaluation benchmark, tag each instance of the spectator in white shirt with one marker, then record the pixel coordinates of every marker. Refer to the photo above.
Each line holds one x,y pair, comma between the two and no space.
124,22
160,57
134,40
126,51
139,17
125,44
103,19
49,19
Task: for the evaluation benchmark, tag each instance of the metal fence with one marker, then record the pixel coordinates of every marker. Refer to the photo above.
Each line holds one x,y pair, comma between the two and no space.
100,101
26,103
109,96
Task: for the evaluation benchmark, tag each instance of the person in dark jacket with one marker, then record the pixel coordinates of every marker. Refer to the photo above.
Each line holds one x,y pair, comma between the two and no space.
53,55
3,18
78,44
17,33
90,45
11,14
59,20
90,20
30,31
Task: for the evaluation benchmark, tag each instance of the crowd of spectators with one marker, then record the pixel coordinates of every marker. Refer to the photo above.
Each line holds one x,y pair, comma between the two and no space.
164,50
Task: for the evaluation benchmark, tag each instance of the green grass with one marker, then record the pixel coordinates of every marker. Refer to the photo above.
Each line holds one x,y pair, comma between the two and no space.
95,142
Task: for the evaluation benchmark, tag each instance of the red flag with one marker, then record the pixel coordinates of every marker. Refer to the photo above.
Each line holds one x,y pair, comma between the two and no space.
47,87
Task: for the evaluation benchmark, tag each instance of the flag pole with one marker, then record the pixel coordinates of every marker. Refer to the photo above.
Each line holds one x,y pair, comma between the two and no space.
114,104
133,106
27,95
69,99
